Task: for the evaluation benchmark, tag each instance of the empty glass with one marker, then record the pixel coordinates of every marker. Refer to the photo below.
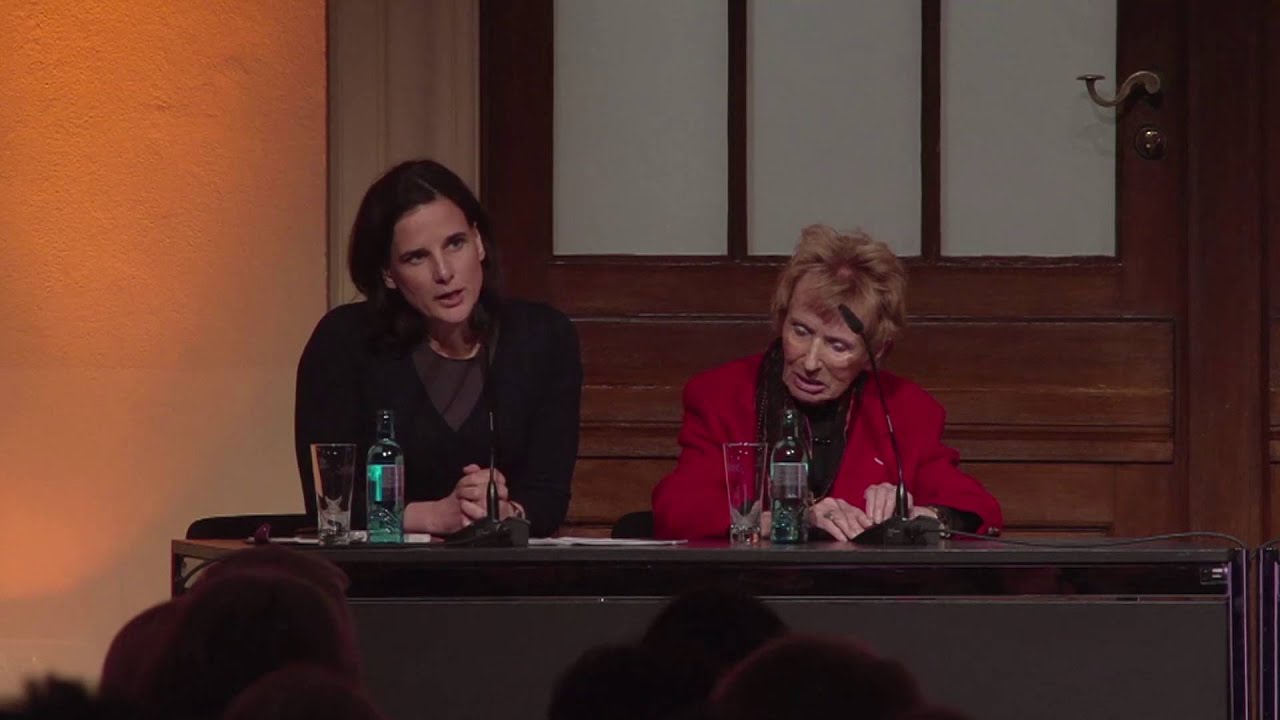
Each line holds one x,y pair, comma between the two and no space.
744,464
333,465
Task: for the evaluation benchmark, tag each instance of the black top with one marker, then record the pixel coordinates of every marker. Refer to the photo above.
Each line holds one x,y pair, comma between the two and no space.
826,431
344,377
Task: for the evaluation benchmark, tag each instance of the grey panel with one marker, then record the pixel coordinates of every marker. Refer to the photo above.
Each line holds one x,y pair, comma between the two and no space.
1006,659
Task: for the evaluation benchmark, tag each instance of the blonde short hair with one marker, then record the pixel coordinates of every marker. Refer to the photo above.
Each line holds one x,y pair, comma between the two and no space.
849,268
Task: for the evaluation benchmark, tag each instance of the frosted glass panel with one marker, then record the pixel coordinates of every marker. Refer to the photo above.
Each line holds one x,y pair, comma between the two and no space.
641,147
834,125
1028,162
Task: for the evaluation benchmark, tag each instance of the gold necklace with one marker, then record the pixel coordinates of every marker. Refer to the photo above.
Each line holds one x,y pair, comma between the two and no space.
435,347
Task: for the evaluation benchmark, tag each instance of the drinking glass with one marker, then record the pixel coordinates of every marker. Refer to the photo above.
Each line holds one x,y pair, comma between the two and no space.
744,464
333,466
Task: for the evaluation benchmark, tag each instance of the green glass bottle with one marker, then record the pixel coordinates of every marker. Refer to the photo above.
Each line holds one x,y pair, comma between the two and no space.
384,472
789,482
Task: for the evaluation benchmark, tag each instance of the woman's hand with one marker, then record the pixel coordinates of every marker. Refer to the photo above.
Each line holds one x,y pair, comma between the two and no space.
923,512
882,500
838,518
472,492
438,517
466,504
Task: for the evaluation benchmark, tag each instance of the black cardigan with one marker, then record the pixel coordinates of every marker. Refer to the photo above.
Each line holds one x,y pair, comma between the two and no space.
344,379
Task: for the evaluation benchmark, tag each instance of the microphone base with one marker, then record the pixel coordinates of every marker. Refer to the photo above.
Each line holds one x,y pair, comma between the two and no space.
901,532
489,533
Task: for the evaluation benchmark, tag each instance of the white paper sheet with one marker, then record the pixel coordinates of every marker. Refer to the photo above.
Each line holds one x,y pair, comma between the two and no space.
600,542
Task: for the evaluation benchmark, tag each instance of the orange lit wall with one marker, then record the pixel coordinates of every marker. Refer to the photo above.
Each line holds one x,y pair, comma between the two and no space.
162,261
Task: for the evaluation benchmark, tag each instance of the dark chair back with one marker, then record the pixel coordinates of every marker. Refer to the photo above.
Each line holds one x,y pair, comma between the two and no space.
634,525
239,527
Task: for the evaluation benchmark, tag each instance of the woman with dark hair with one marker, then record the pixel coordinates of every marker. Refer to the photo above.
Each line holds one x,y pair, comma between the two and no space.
434,342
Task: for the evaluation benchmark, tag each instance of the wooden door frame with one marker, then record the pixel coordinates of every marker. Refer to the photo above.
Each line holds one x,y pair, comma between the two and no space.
1226,340
1212,247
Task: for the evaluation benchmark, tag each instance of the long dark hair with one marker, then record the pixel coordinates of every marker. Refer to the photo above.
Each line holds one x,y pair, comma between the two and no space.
404,187
772,397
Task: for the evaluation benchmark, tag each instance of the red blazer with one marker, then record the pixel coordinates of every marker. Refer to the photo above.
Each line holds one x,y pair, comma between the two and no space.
720,406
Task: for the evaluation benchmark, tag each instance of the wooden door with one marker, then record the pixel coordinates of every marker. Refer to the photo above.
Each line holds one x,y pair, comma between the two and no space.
1085,392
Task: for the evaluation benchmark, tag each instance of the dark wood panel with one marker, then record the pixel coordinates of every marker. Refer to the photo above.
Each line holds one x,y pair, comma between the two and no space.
1271,166
604,490
1026,373
1087,355
1273,504
1226,276
736,130
930,130
1051,495
974,442
631,440
600,288
1061,444
1273,388
1271,218
1043,372
606,404
517,66
1150,230
1145,503
663,352
1000,289
1107,408
1064,406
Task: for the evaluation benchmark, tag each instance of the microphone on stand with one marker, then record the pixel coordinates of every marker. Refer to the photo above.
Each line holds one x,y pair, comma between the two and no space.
901,529
489,531
491,491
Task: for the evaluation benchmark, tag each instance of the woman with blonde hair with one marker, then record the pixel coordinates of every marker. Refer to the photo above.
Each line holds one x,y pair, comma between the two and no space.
819,367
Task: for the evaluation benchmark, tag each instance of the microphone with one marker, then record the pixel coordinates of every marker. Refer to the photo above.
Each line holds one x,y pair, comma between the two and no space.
900,529
489,531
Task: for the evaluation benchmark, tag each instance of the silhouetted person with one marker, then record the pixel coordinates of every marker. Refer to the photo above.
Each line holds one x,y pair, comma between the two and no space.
56,699
126,670
301,692
811,677
619,682
324,574
707,631
233,629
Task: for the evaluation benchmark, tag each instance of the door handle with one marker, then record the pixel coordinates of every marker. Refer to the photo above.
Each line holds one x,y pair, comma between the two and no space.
1149,81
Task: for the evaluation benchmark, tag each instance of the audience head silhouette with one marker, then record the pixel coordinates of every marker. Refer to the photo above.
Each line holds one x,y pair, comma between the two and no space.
707,631
127,668
301,692
620,682
274,558
56,699
803,676
240,624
